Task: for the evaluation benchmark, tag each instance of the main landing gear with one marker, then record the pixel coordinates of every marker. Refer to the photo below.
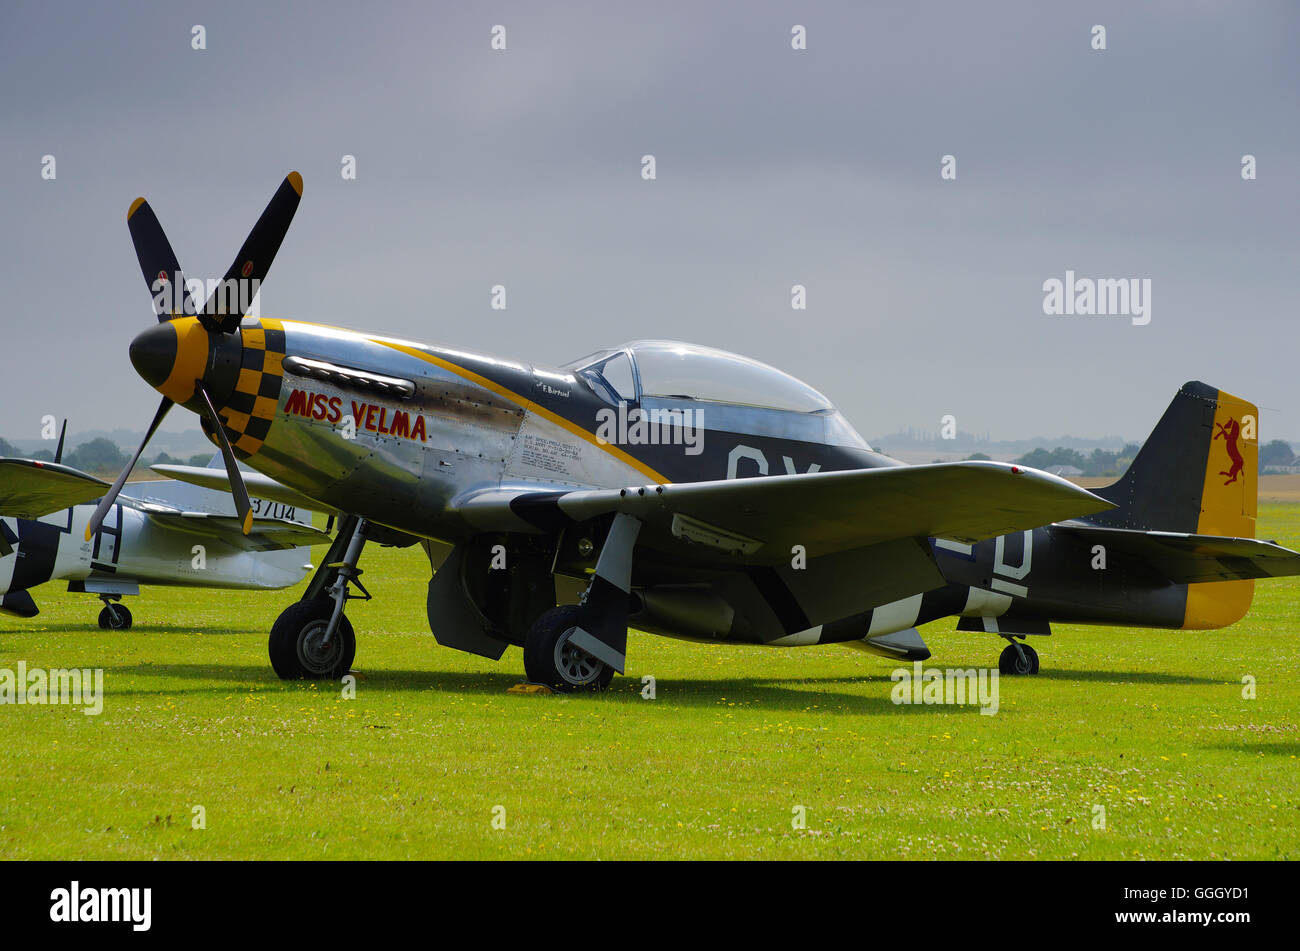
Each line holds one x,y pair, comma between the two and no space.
1018,658
552,658
313,639
579,646
114,616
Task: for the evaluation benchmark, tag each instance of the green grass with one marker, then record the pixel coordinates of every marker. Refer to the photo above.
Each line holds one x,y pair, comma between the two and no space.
1151,725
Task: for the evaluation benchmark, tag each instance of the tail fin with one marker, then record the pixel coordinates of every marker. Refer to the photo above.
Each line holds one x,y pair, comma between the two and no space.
1197,473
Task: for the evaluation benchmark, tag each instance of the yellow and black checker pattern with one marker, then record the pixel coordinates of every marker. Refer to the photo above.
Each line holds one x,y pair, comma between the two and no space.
250,410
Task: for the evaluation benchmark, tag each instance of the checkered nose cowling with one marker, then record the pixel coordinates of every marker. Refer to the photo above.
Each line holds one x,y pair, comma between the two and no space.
250,409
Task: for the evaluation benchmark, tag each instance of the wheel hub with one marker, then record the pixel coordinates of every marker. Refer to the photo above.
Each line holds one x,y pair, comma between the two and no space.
313,653
575,665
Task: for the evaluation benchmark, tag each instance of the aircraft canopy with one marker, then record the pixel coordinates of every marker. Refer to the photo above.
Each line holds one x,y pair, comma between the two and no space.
667,369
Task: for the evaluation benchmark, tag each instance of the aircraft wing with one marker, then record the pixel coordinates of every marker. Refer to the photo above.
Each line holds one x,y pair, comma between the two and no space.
259,486
758,520
267,534
1188,559
30,489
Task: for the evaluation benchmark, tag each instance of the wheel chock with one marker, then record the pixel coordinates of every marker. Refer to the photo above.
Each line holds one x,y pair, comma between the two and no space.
530,688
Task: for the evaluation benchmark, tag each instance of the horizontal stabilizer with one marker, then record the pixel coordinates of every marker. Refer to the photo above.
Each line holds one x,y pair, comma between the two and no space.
1189,559
31,489
19,604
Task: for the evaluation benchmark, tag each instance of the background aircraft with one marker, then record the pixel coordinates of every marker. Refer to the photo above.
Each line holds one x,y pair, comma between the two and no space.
687,491
146,538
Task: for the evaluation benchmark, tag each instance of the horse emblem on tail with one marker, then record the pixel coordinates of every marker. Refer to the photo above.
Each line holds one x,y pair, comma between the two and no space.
1231,433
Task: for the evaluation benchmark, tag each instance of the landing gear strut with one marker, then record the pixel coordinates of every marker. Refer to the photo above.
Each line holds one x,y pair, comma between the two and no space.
114,616
313,639
578,647
1018,658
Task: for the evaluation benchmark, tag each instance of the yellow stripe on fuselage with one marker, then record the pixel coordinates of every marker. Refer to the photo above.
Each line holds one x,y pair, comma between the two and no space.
1228,507
528,405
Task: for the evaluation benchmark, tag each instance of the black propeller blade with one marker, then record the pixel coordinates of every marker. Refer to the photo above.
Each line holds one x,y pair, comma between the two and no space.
107,501
237,487
221,313
255,257
58,453
162,272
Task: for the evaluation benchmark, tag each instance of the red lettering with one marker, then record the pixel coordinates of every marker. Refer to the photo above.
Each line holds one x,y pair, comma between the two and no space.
401,424
318,407
358,414
297,403
418,430
370,418
336,409
383,414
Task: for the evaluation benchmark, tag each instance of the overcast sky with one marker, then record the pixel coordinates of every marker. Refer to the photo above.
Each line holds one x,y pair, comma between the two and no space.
775,167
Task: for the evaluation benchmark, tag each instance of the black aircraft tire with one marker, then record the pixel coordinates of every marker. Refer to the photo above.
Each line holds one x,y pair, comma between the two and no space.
291,647
1010,664
566,669
116,618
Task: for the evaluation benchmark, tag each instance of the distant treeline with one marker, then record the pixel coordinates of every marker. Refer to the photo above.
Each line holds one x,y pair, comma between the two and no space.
100,456
1102,462
1099,462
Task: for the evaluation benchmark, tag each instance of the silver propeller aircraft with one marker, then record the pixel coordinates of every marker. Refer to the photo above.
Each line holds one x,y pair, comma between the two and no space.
165,533
679,489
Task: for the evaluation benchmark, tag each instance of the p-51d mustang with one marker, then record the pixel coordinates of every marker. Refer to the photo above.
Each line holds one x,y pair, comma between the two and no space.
149,538
683,490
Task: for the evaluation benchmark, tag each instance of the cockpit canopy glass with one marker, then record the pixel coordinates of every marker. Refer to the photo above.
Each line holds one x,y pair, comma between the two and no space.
671,370
647,371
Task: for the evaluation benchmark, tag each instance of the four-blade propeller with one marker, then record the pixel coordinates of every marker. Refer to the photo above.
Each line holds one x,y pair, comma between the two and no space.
219,316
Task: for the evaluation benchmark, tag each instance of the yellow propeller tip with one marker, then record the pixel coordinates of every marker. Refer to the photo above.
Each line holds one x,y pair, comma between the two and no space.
248,521
295,180
88,533
135,206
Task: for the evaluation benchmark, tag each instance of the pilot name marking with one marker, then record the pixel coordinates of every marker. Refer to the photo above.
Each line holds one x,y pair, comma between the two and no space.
371,417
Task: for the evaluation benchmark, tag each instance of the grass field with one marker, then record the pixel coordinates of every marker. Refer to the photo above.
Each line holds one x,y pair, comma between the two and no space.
1152,726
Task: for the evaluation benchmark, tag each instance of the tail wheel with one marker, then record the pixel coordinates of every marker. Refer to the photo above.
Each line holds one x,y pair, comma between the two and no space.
551,658
1018,659
298,649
